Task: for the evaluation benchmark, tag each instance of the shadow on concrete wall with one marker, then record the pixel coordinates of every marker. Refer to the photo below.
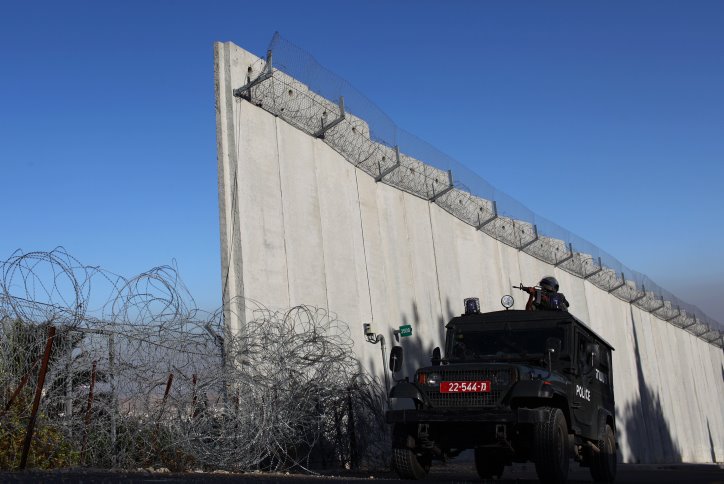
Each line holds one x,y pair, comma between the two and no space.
418,349
372,433
712,449
648,432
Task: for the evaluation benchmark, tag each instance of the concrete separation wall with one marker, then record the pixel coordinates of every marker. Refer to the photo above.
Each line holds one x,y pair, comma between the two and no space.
300,224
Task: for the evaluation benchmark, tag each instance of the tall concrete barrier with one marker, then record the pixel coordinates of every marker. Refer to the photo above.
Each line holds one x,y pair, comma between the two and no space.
302,223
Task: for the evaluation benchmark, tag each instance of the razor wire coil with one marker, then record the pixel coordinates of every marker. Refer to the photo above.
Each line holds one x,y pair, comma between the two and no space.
139,377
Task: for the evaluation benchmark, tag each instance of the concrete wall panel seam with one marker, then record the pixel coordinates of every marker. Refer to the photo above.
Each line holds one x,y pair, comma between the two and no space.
281,192
435,258
364,245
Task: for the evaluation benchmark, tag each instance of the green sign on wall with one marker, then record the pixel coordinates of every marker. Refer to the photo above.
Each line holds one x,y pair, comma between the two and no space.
406,330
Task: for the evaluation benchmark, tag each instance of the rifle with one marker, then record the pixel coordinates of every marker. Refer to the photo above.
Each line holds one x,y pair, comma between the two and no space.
535,293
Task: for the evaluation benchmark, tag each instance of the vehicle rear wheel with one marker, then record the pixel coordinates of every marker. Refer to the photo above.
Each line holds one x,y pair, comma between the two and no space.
409,465
488,464
551,447
603,464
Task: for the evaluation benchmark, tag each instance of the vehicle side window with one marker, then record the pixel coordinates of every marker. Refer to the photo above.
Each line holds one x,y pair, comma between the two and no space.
604,373
449,343
583,357
605,363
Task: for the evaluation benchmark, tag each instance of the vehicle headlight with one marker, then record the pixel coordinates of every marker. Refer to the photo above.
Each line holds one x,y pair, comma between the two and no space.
433,379
502,378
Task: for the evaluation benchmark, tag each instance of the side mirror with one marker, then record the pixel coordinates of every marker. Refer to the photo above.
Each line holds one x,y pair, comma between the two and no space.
436,357
396,359
553,345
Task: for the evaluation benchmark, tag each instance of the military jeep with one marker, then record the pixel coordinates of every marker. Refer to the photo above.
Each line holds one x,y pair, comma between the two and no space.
515,386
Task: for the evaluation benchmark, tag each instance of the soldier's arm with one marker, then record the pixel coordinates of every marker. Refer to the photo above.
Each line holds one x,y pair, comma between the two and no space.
564,303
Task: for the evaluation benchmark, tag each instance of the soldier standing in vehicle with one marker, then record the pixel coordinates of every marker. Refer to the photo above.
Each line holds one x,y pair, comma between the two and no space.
546,296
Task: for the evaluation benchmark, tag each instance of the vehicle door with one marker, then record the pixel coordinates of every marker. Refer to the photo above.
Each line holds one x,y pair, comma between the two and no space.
587,389
604,378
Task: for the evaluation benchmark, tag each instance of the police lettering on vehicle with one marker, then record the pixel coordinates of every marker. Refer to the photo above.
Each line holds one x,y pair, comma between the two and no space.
584,393
601,376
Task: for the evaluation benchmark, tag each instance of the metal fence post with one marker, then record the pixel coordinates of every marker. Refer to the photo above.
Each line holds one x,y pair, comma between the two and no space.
485,222
88,411
193,396
351,431
36,400
19,388
165,397
69,389
114,401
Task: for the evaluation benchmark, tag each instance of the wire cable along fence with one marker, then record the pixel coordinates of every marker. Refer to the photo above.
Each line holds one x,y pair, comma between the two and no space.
109,372
291,84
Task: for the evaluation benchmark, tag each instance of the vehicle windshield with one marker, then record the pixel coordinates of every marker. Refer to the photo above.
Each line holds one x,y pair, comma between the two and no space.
502,341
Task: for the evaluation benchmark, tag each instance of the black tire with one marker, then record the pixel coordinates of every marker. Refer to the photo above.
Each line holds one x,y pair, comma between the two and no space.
551,447
603,464
488,464
408,465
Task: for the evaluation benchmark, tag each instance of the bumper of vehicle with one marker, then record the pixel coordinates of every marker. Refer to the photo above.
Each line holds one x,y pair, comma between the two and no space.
503,416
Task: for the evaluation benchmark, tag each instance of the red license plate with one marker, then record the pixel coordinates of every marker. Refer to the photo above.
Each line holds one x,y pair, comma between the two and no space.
465,386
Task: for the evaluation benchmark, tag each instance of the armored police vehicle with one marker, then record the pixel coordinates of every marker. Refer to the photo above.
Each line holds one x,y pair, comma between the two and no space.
515,386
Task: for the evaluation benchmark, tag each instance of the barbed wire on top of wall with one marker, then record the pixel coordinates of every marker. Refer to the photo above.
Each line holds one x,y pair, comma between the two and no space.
292,85
138,376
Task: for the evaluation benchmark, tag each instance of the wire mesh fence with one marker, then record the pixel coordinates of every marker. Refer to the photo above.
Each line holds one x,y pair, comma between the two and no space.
138,377
292,85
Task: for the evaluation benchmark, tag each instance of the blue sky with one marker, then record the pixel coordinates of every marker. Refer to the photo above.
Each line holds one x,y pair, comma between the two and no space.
607,118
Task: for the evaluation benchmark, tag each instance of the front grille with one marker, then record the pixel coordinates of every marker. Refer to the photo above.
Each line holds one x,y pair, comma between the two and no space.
459,400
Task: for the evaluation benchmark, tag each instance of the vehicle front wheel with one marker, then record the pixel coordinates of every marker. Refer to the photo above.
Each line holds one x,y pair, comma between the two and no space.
551,447
409,465
603,464
488,464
